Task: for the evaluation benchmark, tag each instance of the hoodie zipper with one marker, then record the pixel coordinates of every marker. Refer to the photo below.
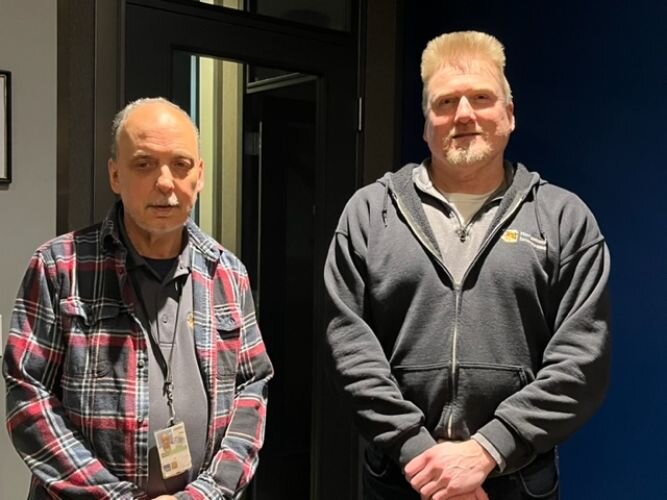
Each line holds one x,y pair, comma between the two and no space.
457,287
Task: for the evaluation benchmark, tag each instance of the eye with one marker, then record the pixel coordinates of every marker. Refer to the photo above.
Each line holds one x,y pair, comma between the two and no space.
482,99
183,163
445,102
142,163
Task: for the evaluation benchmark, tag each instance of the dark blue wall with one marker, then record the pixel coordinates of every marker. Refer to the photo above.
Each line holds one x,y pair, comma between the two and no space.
590,87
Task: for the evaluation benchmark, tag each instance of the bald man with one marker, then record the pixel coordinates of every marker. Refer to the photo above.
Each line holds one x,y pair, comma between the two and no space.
134,365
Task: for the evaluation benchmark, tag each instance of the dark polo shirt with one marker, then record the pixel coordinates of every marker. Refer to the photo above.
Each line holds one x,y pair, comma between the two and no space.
166,291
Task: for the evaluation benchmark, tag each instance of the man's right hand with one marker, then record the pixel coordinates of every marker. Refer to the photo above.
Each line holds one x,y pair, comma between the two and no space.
450,469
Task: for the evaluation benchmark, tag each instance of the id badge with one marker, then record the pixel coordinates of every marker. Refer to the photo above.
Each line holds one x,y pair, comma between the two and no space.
173,450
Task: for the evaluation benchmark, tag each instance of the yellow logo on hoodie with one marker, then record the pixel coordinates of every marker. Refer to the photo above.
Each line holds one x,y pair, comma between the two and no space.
510,236
516,236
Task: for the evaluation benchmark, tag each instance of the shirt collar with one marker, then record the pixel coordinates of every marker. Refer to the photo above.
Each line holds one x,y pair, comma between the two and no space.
422,180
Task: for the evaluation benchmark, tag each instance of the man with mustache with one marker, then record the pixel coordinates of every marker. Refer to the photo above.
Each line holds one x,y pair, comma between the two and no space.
134,365
468,304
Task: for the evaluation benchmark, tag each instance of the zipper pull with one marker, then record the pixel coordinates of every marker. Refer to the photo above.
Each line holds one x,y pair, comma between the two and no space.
462,233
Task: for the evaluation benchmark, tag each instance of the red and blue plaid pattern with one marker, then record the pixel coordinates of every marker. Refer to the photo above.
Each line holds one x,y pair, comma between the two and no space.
77,402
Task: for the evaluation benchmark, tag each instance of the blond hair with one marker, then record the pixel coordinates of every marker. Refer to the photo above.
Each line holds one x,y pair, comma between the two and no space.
462,49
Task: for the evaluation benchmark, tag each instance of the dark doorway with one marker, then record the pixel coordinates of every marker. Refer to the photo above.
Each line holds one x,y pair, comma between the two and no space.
279,201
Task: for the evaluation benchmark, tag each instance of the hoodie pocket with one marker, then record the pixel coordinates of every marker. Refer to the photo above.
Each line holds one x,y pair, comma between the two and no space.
480,388
540,478
428,387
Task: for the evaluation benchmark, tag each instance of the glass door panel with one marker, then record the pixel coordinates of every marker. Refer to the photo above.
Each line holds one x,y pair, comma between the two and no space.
212,91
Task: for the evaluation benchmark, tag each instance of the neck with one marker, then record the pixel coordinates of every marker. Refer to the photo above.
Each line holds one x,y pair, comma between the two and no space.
155,246
467,179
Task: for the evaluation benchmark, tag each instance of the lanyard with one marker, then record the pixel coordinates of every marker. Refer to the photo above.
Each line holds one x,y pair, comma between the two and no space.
165,365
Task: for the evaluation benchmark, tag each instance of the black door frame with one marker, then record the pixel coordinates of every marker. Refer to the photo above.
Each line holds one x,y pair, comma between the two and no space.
153,30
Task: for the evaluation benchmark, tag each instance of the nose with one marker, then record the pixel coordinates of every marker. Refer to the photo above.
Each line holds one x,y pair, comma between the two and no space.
165,180
464,111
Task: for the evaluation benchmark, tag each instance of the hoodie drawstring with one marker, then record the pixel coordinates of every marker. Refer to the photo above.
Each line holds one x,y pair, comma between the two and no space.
385,204
537,212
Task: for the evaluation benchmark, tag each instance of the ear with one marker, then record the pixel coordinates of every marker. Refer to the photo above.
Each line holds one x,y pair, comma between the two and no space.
114,181
200,179
510,113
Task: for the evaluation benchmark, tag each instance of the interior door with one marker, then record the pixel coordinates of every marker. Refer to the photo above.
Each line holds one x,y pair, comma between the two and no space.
285,107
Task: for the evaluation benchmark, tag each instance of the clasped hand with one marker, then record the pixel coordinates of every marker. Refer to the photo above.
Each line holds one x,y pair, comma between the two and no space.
451,471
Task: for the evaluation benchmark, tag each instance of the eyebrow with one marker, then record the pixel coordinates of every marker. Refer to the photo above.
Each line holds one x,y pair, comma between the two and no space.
178,155
141,154
475,90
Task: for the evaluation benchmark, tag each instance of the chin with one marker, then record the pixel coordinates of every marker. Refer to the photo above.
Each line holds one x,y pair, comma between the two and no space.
162,230
467,157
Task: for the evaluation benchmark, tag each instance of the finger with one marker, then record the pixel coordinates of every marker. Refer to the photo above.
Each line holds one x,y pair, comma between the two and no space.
480,494
434,486
454,490
414,466
442,495
429,489
421,479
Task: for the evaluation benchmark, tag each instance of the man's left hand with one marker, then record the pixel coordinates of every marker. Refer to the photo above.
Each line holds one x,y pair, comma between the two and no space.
450,469
165,497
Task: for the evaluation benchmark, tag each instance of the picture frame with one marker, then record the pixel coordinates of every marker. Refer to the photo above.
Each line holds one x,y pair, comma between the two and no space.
5,127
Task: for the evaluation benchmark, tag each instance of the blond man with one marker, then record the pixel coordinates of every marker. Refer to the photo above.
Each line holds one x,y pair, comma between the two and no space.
468,302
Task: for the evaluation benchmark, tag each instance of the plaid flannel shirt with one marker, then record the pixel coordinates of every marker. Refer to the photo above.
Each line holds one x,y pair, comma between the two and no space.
77,387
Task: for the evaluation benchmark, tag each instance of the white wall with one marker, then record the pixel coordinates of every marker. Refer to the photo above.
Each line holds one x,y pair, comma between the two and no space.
28,205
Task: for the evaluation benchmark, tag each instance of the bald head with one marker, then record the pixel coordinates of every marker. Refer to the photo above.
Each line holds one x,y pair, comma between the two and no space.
147,105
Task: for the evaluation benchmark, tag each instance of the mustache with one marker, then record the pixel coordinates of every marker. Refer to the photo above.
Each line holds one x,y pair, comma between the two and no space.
172,201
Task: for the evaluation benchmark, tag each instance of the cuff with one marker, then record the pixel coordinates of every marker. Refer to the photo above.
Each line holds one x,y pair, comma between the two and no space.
413,446
515,452
490,449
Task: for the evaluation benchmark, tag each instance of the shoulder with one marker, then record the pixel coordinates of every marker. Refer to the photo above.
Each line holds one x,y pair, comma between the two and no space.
565,204
211,258
368,202
369,194
565,213
82,243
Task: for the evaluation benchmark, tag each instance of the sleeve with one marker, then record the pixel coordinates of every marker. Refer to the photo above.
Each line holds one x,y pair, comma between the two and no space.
573,378
355,356
235,461
51,446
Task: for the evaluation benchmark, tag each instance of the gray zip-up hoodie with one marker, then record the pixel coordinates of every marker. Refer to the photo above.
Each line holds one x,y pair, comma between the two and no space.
518,352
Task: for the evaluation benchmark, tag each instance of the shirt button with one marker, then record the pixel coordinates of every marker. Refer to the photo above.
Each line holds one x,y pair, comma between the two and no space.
140,420
141,363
